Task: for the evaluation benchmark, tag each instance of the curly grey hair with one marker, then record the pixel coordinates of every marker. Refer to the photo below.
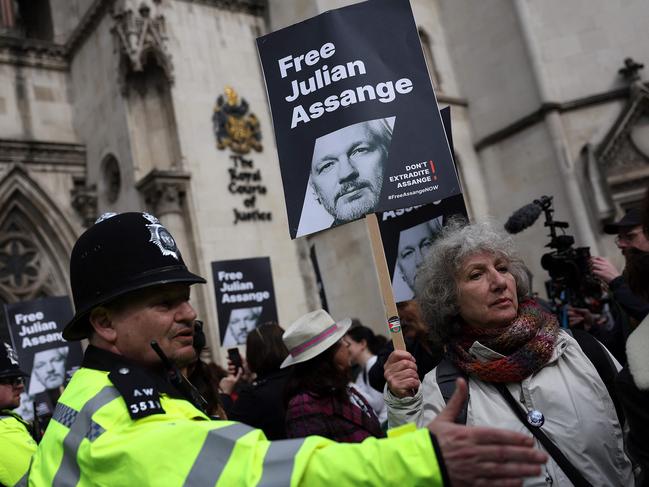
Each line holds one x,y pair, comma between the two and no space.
435,286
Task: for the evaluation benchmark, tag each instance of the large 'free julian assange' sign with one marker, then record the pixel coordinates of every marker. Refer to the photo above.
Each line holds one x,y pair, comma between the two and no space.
355,116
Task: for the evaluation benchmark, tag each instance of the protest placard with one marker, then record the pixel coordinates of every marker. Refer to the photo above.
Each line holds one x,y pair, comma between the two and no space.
355,116
408,233
245,297
407,236
35,328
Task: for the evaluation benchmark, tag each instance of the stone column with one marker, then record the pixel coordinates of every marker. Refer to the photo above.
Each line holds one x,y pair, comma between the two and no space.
556,130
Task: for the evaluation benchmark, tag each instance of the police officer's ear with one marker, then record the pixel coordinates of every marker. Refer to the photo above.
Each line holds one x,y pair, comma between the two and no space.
101,322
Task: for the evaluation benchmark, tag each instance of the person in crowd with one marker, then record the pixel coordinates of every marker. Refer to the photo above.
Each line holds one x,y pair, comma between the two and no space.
319,399
633,381
121,421
363,346
523,371
416,333
629,237
16,442
613,325
348,168
261,402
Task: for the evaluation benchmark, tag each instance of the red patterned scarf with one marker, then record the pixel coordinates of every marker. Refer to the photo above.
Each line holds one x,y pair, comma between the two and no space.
526,344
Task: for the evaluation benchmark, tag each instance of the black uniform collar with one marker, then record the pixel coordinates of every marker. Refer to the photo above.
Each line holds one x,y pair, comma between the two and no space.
100,359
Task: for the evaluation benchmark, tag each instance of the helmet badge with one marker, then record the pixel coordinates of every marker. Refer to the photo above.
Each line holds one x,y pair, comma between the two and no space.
11,354
105,216
161,237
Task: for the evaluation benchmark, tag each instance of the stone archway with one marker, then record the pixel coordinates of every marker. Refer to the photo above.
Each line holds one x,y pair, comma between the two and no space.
35,242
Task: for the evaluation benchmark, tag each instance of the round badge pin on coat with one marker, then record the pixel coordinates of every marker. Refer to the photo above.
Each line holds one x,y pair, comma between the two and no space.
535,418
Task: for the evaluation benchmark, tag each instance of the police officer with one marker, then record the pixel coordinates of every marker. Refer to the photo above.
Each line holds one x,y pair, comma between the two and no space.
121,422
16,443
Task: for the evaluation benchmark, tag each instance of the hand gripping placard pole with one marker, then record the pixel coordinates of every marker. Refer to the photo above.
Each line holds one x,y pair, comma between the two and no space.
385,284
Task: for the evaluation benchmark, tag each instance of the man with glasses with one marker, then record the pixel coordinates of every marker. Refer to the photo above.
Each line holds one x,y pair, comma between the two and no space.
629,236
16,443
613,326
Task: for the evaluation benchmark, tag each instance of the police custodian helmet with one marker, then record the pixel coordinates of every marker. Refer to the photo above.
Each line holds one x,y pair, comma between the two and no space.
9,362
121,253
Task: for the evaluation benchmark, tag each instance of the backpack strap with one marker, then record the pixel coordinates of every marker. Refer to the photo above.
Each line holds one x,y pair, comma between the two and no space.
601,360
446,374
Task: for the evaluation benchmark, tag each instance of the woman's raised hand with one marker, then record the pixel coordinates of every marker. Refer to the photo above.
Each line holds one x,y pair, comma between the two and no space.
400,372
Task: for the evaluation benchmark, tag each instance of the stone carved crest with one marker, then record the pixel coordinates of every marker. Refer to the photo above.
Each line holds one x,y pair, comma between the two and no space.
141,32
233,126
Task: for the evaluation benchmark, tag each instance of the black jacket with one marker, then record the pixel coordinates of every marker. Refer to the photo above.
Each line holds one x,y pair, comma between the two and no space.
633,305
636,410
261,404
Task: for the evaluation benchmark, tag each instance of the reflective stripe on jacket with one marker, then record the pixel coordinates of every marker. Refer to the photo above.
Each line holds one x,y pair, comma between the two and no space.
16,448
92,440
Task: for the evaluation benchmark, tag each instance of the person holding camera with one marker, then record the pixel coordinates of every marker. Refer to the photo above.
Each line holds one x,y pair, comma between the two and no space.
629,237
614,324
524,372
632,382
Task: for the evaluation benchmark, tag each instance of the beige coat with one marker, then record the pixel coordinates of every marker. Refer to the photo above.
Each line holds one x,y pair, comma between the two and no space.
579,414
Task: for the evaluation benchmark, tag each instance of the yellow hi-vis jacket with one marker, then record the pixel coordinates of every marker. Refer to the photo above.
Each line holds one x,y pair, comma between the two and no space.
93,440
16,448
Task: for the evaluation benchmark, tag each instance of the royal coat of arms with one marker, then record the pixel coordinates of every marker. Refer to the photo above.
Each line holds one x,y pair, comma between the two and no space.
233,126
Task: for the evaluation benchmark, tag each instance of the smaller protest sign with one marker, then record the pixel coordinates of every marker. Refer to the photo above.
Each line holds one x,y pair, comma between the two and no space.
36,330
245,297
408,234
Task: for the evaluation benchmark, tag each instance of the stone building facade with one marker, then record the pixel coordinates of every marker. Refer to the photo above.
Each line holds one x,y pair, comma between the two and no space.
107,105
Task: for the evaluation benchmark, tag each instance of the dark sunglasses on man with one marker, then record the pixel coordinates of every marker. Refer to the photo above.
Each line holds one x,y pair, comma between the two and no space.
13,381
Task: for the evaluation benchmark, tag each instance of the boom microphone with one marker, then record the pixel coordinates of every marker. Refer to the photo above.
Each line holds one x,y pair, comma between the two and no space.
523,217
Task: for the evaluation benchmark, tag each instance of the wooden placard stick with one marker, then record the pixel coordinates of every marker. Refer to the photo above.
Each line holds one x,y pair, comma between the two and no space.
385,283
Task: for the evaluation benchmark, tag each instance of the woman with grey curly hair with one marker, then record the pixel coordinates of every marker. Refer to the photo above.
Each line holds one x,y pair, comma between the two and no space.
474,293
436,287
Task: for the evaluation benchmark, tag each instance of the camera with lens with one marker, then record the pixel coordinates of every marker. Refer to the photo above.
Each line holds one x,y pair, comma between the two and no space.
572,281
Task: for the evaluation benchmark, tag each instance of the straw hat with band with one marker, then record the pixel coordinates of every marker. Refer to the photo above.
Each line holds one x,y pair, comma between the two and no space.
119,254
312,334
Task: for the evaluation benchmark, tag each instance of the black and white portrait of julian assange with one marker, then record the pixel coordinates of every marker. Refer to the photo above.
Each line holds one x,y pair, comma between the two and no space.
48,371
242,321
414,244
346,174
